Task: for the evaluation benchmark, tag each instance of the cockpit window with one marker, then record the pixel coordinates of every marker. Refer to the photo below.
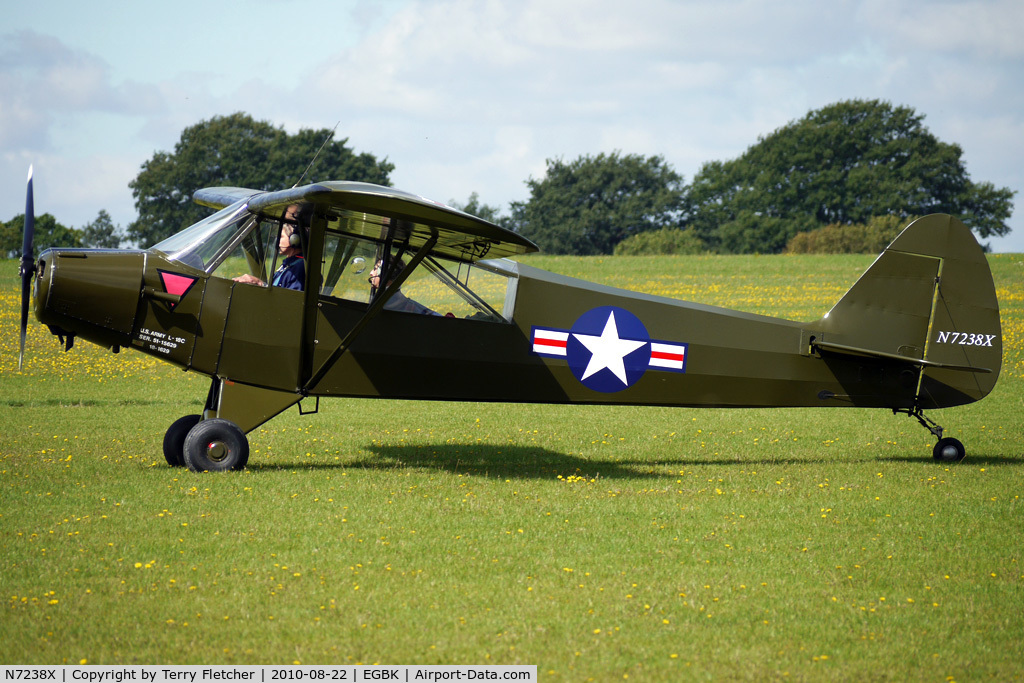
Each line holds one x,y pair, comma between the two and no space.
230,243
235,242
352,270
205,244
254,254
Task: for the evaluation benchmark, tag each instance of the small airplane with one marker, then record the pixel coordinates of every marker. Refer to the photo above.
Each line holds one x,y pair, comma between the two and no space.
406,298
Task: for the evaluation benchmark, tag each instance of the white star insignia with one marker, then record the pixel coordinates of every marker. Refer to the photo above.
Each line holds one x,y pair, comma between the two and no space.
608,350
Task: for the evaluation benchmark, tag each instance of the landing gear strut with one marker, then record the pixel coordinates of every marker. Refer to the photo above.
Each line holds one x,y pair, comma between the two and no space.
947,449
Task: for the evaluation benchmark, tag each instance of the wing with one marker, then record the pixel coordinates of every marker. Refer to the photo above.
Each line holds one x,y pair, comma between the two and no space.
373,210
221,197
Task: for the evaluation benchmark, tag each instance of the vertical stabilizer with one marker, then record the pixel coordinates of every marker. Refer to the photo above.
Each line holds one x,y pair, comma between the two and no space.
929,298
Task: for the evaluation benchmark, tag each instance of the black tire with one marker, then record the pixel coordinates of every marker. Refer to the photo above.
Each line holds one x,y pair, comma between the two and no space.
174,440
216,446
949,450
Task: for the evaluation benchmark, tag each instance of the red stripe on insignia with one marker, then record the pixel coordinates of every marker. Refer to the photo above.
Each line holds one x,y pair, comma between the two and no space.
552,342
549,343
668,356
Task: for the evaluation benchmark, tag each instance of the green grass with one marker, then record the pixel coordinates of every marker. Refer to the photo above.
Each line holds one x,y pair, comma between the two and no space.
594,542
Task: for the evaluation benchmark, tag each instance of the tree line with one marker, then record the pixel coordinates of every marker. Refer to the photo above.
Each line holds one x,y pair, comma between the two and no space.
842,168
234,150
841,178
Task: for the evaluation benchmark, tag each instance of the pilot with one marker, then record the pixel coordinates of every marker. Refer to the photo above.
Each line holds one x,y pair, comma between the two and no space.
294,229
398,300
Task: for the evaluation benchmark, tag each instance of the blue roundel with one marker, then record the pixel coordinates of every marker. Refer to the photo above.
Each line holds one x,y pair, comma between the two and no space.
608,349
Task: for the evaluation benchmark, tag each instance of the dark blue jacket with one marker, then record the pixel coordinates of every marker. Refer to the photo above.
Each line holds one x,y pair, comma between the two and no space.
291,274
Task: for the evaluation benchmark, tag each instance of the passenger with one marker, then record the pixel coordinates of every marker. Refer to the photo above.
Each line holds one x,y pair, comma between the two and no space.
398,300
292,272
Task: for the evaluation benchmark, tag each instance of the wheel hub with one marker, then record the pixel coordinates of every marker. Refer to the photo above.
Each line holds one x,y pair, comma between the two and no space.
949,452
217,451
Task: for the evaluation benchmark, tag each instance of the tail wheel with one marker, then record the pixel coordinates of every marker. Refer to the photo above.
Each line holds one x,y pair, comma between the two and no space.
949,450
216,445
174,439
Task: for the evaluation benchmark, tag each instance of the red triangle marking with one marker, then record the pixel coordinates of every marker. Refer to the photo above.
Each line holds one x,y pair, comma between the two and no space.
175,284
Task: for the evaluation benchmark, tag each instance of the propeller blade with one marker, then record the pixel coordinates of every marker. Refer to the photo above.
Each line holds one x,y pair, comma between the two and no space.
28,266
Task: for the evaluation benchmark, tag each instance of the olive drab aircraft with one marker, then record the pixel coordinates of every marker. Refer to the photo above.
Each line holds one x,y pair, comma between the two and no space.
401,297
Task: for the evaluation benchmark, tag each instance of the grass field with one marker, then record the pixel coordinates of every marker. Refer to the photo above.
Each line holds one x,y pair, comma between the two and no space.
599,543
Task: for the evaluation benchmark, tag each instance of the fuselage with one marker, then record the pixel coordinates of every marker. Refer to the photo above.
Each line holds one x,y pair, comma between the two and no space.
565,341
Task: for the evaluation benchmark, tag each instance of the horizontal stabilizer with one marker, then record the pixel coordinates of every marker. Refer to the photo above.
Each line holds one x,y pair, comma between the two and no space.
870,353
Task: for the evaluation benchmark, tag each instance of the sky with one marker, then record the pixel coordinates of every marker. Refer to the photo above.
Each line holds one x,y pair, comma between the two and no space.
475,96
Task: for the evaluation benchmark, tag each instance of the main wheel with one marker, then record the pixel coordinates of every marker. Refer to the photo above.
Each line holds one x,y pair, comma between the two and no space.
217,446
174,440
949,450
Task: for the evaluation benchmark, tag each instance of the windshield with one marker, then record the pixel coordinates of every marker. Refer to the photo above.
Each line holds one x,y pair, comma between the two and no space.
206,243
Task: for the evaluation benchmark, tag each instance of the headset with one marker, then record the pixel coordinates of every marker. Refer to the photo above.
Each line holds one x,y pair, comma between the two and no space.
303,215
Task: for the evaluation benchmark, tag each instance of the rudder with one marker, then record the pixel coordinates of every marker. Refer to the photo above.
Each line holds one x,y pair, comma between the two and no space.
928,298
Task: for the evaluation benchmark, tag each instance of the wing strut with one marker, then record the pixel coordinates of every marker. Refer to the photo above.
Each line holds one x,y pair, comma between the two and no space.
376,306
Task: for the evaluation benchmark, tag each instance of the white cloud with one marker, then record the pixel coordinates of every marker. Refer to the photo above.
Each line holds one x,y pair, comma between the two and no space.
467,96
983,29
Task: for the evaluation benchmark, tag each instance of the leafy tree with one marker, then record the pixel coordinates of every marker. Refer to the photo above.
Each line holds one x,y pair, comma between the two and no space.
757,233
101,232
10,240
48,233
663,241
589,205
238,151
842,164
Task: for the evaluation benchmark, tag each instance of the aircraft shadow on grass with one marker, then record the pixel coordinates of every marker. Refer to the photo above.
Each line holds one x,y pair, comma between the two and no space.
525,462
967,462
487,460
